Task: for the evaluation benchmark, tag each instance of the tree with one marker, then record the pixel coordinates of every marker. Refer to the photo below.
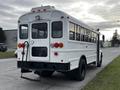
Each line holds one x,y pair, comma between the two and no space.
115,39
2,36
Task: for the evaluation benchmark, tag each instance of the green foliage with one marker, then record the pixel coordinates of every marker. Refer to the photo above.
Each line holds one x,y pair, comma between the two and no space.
2,36
115,39
9,54
107,79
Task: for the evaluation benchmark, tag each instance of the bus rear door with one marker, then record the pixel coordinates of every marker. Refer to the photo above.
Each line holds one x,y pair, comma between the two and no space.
39,42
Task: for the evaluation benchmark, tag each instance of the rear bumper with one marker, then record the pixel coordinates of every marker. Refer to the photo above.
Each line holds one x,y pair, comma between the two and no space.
43,66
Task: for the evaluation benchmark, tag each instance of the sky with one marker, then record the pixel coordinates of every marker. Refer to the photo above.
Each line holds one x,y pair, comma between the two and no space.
103,14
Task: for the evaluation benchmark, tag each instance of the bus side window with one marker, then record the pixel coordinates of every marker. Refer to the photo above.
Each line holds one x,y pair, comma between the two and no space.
71,31
82,34
95,37
90,37
85,35
77,33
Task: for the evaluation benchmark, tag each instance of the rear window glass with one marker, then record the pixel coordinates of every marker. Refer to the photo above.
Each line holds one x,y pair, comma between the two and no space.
39,30
39,51
57,29
23,31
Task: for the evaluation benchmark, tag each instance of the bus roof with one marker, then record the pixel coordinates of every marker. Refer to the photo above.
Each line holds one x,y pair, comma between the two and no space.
52,12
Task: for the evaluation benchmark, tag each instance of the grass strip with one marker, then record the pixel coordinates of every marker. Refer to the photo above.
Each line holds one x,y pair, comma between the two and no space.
9,54
107,79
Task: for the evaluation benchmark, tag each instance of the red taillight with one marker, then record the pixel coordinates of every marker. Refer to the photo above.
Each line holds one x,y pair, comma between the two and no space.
61,45
21,45
56,45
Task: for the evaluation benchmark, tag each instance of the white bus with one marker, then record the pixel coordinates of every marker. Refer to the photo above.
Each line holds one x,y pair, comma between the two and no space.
50,40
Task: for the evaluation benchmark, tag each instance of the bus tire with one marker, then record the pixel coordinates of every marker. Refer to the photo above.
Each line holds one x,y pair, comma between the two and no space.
80,72
100,62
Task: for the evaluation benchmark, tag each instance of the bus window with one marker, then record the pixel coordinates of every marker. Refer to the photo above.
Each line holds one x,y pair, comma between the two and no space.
57,29
71,31
90,36
77,33
39,30
23,33
39,51
82,34
85,35
94,37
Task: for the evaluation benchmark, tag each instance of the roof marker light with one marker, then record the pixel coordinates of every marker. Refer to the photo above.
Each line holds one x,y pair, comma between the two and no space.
44,9
39,10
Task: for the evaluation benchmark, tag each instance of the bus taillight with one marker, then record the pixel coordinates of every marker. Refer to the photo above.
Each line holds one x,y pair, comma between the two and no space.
21,45
58,45
61,45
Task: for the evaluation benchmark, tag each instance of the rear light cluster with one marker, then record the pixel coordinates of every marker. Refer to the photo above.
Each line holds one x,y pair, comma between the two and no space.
21,45
57,45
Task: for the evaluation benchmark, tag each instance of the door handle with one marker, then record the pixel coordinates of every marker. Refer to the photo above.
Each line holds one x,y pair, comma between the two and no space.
31,42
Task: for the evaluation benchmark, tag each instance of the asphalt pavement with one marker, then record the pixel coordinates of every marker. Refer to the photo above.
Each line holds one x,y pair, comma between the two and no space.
10,76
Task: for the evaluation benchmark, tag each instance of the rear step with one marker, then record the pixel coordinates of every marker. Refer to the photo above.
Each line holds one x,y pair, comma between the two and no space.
25,71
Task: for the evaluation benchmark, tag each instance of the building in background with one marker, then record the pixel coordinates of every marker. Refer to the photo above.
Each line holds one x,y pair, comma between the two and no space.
11,39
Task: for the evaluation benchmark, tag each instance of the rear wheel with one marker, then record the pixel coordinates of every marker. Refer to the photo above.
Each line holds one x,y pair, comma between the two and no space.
80,72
